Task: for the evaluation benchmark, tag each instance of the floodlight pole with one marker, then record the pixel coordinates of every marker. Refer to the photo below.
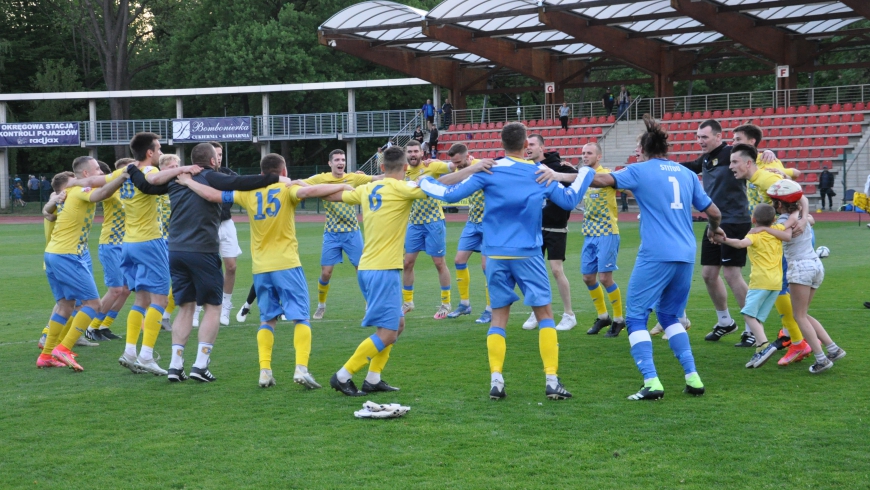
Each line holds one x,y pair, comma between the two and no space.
4,166
92,123
264,144
350,153
179,114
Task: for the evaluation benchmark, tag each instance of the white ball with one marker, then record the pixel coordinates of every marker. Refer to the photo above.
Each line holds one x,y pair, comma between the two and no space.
823,252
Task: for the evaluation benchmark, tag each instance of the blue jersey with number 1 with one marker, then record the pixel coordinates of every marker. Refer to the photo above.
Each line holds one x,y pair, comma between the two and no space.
665,192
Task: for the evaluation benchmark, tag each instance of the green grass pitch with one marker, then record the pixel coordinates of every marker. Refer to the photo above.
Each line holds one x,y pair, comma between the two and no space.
107,428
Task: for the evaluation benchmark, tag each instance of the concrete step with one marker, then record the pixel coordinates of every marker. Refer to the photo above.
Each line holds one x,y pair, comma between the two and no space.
620,143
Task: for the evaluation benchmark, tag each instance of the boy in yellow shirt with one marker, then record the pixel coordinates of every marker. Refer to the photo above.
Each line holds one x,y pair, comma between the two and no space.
765,279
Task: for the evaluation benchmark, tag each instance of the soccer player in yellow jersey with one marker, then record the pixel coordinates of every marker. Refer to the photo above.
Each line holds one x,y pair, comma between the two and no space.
744,166
751,134
386,206
601,247
471,239
426,231
69,272
145,258
278,276
111,238
341,231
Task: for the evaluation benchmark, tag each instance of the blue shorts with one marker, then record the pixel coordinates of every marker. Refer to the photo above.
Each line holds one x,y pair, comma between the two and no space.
529,273
196,277
382,291
88,260
759,302
110,257
663,286
431,237
472,237
283,292
334,244
146,266
69,277
599,254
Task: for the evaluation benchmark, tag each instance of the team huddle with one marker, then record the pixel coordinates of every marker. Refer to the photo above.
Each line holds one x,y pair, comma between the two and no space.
164,231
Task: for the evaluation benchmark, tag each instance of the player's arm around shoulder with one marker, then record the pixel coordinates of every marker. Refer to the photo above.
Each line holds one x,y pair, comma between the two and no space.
451,193
105,192
353,196
208,193
321,190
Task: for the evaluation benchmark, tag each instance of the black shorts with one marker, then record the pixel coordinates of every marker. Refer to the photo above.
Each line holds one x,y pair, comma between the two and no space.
555,243
723,255
196,277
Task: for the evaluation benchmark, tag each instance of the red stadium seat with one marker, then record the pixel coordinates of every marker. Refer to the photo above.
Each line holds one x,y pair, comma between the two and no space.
836,107
842,141
549,122
824,108
858,118
575,121
768,111
667,116
831,141
571,132
828,153
737,112
791,154
775,132
860,106
812,177
803,154
824,118
597,130
847,107
818,141
807,142
802,109
814,108
584,120
771,144
766,121
696,115
499,125
611,119
811,120
780,110
758,111
810,189
791,110
717,114
815,153
856,129
815,166
727,113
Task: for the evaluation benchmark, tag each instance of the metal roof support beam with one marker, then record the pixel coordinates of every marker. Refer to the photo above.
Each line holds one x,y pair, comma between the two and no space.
439,71
647,55
537,64
861,7
766,40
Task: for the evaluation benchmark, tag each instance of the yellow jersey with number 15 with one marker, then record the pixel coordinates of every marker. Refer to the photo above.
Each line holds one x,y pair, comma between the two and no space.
272,213
142,221
386,206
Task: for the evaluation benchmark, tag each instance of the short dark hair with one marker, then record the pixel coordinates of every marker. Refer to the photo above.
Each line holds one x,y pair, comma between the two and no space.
202,154
457,149
335,152
513,136
272,164
104,167
751,131
597,147
764,214
79,164
412,143
748,151
538,137
123,162
60,180
654,141
713,125
394,159
216,144
141,143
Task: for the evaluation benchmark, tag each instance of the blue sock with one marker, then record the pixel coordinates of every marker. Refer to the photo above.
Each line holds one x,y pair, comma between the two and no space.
641,347
678,340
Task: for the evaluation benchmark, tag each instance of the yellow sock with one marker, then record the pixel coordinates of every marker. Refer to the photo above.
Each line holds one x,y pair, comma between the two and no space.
170,306
486,291
134,324
95,323
407,294
66,327
365,352
548,342
380,360
322,291
153,317
597,293
79,324
302,343
45,330
462,281
445,295
783,306
265,341
55,327
496,347
616,300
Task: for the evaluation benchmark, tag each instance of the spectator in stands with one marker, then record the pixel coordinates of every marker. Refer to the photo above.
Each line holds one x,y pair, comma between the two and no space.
564,112
418,135
447,112
609,99
428,111
45,188
624,99
33,187
826,188
433,140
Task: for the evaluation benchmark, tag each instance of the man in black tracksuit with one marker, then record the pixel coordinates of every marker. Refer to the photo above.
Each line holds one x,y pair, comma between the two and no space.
826,188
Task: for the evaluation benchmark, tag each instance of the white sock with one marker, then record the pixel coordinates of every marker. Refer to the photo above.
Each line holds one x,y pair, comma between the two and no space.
489,308
618,319
130,349
228,298
177,361
747,329
202,354
571,314
821,358
197,311
302,369
497,378
146,353
466,302
724,318
604,316
832,347
321,305
552,380
166,315
343,375
373,377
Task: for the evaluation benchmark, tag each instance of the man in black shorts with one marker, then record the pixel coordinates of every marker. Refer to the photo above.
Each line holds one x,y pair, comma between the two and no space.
554,231
729,195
